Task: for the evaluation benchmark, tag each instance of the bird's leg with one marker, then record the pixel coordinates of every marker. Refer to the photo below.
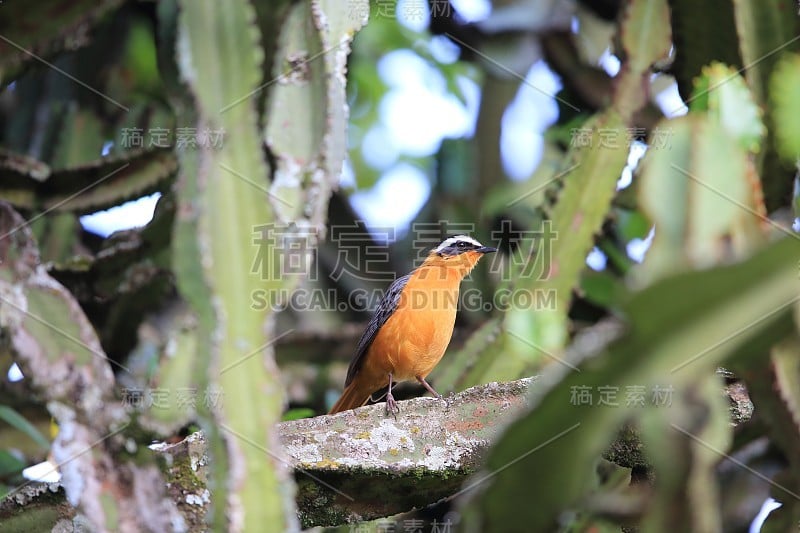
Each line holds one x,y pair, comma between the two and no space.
391,404
428,387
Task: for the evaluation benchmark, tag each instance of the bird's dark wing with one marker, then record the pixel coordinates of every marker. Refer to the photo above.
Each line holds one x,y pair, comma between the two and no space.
385,309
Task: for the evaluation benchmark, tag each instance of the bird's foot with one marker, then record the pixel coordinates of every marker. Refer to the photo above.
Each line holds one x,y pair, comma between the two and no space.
429,388
391,405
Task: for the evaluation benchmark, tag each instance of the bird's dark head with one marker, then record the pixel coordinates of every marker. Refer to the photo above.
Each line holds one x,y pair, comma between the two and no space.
460,244
458,254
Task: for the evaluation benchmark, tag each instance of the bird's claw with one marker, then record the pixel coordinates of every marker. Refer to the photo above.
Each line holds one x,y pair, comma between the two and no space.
391,406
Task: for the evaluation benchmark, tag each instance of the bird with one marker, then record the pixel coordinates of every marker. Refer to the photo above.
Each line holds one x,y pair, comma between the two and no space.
412,326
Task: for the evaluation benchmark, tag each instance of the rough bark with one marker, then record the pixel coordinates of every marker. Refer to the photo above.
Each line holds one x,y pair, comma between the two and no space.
360,464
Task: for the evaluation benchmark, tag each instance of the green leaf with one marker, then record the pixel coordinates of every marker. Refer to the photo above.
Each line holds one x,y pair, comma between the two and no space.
232,202
190,280
16,420
783,93
723,93
646,37
631,224
307,115
678,331
171,358
589,187
601,288
9,464
684,442
80,139
766,29
298,413
297,110
698,193
774,386
139,63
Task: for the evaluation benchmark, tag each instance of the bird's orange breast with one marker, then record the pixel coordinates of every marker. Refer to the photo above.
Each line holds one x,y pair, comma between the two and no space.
413,340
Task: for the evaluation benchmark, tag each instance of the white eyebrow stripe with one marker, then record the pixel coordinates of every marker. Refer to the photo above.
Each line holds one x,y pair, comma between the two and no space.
452,240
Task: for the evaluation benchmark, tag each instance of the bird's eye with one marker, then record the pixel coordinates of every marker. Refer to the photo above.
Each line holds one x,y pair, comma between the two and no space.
461,244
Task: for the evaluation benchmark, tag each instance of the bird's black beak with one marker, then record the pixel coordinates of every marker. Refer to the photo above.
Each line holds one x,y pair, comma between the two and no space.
486,249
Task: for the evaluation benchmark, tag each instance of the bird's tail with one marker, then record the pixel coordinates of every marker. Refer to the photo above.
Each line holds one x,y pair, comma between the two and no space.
354,395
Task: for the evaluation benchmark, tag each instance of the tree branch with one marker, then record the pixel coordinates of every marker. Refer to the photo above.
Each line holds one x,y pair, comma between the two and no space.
362,464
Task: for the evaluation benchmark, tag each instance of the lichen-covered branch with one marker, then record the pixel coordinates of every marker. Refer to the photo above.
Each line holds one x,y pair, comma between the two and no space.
422,456
362,464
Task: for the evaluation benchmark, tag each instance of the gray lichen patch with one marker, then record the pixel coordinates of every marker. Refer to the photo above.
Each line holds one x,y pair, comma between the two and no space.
304,453
387,437
428,435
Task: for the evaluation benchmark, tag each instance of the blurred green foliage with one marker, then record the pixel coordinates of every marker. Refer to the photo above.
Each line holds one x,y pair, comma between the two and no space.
95,96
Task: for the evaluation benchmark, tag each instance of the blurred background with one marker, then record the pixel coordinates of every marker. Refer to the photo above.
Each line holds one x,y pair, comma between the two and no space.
635,163
419,168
